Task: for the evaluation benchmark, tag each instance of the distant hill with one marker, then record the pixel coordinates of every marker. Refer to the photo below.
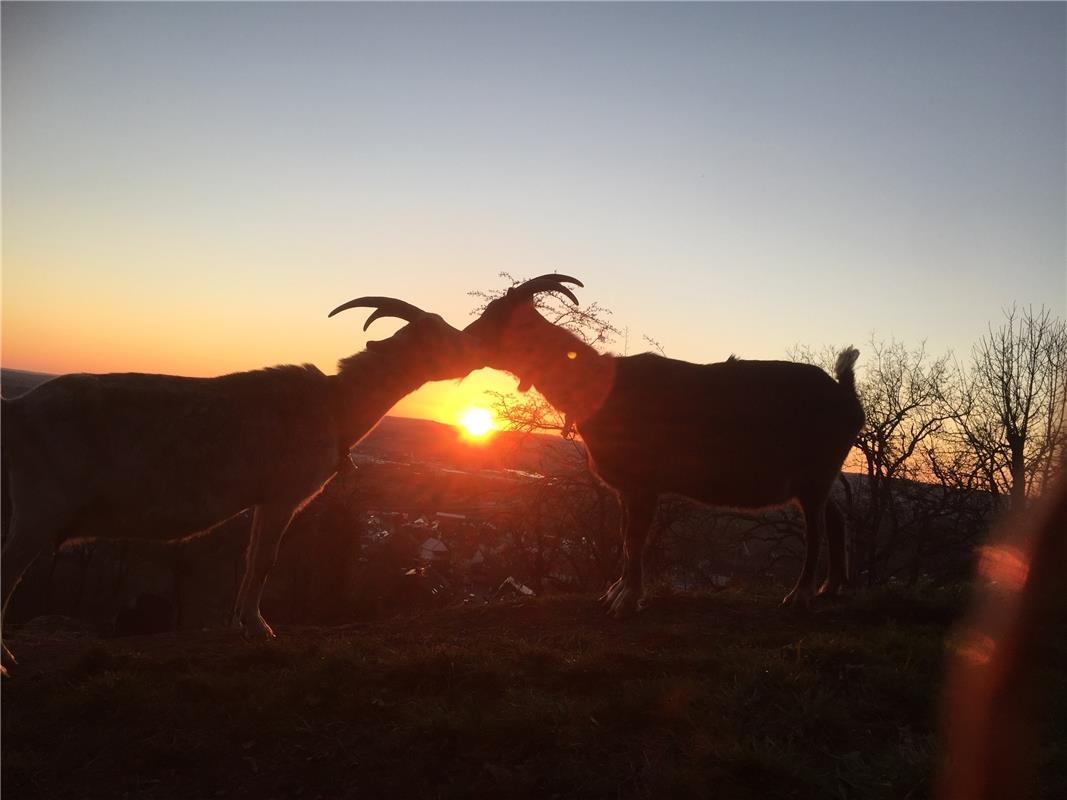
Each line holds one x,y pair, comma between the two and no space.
421,440
14,382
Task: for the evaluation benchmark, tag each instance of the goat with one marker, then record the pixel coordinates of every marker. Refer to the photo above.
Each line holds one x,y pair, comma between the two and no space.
746,434
161,457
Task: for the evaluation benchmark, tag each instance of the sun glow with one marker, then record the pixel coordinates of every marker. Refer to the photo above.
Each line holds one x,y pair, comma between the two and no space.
477,423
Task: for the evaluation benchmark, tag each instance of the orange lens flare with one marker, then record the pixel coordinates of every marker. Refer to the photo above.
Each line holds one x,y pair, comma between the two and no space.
1005,566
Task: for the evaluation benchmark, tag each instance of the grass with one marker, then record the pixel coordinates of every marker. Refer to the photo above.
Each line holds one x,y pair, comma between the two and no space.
723,695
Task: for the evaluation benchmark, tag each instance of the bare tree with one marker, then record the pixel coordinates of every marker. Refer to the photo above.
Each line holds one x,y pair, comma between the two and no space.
528,413
906,399
1012,413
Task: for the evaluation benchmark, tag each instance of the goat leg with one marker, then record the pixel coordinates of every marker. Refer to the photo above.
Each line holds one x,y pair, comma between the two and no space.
608,597
814,526
25,540
835,532
269,524
628,591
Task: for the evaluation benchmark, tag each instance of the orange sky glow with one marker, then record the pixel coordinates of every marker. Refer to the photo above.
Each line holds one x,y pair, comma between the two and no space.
203,343
725,178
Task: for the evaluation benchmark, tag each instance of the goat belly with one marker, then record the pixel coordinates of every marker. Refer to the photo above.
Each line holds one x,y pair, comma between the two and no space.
737,491
716,473
160,521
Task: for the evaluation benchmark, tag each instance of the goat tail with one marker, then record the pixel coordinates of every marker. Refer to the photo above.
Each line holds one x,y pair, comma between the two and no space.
843,367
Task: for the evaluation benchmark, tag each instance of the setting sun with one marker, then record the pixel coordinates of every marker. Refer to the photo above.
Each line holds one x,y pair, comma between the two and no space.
477,422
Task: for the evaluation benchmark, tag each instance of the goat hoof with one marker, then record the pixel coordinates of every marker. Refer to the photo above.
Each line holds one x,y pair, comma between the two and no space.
258,629
626,604
6,657
830,591
608,598
798,599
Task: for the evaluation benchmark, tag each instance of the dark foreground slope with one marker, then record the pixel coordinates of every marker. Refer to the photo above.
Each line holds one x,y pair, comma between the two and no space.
711,696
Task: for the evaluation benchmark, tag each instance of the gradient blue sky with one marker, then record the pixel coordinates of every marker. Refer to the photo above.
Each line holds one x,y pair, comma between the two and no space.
190,188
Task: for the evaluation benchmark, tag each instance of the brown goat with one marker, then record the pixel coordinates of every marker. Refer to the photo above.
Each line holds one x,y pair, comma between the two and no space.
161,456
744,434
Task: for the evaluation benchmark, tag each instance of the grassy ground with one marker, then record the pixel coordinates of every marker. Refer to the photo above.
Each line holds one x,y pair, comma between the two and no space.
701,696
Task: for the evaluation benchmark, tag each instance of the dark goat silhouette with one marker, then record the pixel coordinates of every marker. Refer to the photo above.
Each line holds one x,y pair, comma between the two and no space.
744,434
161,456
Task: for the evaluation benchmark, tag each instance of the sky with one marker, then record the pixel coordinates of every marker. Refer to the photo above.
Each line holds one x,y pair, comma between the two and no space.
190,188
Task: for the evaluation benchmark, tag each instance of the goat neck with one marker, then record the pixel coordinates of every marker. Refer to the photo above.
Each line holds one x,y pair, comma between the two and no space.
572,376
367,385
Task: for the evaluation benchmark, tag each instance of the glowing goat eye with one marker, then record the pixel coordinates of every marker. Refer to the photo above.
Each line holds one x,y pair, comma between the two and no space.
571,355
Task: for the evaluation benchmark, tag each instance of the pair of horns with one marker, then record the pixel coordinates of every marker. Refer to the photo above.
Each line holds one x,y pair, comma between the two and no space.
391,307
543,283
383,307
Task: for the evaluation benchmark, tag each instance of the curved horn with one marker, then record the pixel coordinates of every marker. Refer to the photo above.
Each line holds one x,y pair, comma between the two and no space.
383,307
544,283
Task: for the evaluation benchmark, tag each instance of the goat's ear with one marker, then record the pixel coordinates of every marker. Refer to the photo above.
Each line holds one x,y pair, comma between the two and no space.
378,346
